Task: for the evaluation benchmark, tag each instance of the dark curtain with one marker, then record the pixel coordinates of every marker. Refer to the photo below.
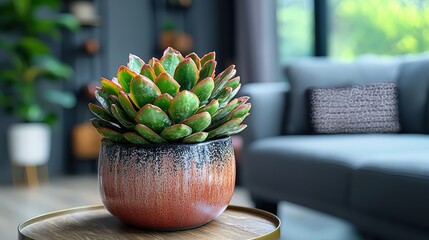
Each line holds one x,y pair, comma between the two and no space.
256,41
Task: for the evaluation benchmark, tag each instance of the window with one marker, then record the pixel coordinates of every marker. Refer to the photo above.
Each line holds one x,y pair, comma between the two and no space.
294,28
382,27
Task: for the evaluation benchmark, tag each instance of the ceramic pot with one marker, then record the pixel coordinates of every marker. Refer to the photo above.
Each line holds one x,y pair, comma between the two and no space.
169,186
29,143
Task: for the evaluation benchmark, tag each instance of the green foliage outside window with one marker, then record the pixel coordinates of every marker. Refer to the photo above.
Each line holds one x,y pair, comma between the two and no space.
382,27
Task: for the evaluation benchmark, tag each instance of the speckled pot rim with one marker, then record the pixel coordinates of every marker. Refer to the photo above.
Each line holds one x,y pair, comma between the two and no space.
164,145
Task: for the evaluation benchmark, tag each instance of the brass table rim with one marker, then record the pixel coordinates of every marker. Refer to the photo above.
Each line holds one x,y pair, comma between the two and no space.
45,216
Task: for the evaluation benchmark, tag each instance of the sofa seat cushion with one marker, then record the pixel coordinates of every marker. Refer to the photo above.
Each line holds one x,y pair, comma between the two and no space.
320,167
395,185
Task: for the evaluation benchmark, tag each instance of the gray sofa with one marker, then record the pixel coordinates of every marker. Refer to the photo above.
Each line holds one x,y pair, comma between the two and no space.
378,182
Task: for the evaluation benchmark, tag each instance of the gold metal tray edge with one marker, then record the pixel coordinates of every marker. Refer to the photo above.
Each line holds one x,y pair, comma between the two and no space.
274,234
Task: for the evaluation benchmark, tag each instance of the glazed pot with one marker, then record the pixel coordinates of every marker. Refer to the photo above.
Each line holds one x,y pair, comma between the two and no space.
167,186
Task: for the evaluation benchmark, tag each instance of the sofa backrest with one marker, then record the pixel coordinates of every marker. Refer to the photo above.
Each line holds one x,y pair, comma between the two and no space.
413,90
328,73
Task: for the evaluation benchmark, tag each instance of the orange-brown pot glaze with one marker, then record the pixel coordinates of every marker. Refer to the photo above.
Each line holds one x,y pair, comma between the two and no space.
167,187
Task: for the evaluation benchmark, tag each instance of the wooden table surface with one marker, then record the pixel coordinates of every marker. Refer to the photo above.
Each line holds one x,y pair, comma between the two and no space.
95,222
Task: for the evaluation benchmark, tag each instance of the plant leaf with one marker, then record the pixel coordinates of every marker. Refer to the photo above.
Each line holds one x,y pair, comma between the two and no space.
143,91
153,117
127,105
176,132
163,101
184,104
134,63
198,122
203,89
196,137
226,128
109,87
211,108
170,62
195,58
135,138
208,69
186,74
125,75
209,56
149,134
148,72
101,113
111,135
121,116
64,99
167,84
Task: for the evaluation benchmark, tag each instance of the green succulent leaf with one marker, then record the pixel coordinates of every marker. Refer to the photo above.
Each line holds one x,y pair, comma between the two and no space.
158,68
208,69
222,79
224,93
167,84
183,106
170,62
195,58
99,123
186,74
149,134
109,87
135,63
196,137
127,105
125,75
135,138
238,112
121,116
163,101
176,132
209,56
233,83
153,117
225,129
143,91
102,98
226,110
101,113
152,61
203,89
211,108
231,96
111,135
171,50
148,72
198,122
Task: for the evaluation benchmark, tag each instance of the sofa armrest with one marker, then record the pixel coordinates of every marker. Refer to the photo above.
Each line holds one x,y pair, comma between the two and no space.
267,113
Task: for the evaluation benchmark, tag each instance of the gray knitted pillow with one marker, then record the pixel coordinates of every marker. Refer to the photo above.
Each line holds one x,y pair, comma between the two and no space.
355,109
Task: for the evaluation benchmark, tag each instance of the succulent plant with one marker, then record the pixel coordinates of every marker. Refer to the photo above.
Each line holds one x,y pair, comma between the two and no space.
174,99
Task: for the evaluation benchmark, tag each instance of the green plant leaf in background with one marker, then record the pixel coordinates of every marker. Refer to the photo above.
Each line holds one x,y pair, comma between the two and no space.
25,40
64,99
67,21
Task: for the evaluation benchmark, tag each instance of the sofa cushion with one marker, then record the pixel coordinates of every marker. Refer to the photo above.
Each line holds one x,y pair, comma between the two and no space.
325,73
321,167
395,185
369,108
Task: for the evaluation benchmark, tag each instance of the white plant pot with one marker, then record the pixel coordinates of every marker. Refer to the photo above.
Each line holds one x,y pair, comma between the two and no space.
29,144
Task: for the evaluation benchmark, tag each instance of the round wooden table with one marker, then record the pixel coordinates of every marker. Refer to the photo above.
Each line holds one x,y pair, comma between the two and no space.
95,222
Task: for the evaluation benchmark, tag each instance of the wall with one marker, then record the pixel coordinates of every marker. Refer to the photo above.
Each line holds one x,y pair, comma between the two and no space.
126,26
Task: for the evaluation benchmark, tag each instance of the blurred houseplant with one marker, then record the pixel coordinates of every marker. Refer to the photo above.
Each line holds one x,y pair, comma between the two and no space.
28,75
